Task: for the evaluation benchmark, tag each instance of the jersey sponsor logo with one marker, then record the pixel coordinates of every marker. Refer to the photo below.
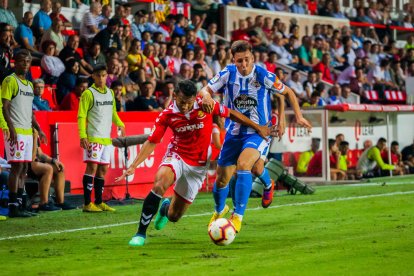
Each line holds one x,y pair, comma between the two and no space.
201,115
174,119
99,103
26,93
244,102
215,79
190,127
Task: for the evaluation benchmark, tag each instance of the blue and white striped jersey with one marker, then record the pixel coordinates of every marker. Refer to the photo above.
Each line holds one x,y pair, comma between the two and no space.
249,95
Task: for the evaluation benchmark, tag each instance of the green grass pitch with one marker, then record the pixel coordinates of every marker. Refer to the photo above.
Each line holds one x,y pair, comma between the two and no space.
340,230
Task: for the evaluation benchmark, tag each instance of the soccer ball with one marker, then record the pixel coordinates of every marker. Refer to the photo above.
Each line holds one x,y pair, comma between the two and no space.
221,231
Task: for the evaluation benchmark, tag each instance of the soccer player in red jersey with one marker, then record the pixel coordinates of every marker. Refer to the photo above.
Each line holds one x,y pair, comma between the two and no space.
185,162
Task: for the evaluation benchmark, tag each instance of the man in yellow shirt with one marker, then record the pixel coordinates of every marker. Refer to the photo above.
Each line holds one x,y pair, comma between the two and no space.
97,112
305,157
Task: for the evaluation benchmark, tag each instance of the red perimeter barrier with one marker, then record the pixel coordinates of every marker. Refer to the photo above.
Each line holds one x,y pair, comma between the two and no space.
380,26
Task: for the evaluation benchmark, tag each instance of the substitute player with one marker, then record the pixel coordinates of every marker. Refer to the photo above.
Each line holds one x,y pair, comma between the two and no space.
247,89
186,160
97,112
17,98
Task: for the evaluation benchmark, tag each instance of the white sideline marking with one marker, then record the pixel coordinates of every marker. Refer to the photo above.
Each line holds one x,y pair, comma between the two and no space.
205,214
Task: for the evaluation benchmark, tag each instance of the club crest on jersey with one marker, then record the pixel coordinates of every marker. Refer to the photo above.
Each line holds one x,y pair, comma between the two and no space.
215,79
256,84
201,115
244,102
18,155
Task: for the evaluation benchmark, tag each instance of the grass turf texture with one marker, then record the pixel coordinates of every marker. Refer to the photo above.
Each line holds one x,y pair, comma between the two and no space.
372,235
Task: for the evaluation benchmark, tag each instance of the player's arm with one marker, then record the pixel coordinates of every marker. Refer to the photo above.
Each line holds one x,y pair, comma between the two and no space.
85,103
8,88
263,131
296,109
281,112
375,155
36,126
115,118
303,162
213,86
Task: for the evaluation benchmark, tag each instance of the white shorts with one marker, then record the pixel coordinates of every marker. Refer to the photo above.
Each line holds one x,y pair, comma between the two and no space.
22,151
98,153
188,179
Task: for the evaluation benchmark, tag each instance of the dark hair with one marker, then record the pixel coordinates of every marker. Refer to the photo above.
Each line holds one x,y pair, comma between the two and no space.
394,143
320,87
46,45
315,94
339,134
114,22
115,84
343,144
187,87
3,27
99,68
240,46
197,66
79,81
21,54
382,140
331,143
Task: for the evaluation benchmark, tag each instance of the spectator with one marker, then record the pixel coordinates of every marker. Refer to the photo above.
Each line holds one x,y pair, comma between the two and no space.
367,144
71,100
198,74
24,35
199,58
344,162
90,21
153,27
306,58
396,157
257,34
270,63
38,102
371,159
284,57
211,32
242,32
146,101
297,7
6,53
313,100
359,84
94,56
69,52
49,171
259,4
362,17
130,88
350,72
67,81
116,87
126,38
334,95
55,34
345,94
42,21
139,26
397,75
297,87
305,157
310,84
6,15
150,54
52,66
104,17
326,9
108,37
113,71
179,25
323,70
408,157
281,74
128,13
137,62
56,14
337,13
221,61
167,97
379,77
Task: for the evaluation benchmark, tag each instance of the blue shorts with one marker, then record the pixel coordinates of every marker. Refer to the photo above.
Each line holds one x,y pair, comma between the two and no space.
234,145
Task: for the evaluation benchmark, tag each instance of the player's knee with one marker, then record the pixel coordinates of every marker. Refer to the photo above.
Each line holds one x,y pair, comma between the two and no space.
158,188
244,165
49,171
174,216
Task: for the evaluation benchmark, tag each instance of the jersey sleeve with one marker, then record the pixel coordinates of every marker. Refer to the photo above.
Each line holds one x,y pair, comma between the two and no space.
375,154
221,110
273,83
219,80
158,130
115,117
9,88
85,104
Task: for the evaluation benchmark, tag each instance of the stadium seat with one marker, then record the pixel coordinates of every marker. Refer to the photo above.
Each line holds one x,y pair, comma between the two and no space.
395,96
371,95
36,72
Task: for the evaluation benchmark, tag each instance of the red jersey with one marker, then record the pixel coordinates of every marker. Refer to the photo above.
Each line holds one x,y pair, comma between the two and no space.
315,165
191,132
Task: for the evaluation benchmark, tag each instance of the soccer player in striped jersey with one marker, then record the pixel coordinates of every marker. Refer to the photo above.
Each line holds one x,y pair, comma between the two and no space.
17,98
247,89
97,112
186,160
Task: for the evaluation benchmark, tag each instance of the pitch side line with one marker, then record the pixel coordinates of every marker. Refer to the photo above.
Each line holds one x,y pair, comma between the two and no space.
206,214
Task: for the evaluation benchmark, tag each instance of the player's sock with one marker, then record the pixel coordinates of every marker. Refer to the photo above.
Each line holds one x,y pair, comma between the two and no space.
98,184
265,179
20,197
149,209
13,199
220,195
242,193
164,209
87,182
232,185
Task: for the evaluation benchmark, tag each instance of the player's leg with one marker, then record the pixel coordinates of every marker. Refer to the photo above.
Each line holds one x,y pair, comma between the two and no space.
164,178
262,174
87,182
99,183
44,173
247,159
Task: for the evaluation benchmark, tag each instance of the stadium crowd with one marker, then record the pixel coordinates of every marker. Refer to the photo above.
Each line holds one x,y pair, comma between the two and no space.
146,58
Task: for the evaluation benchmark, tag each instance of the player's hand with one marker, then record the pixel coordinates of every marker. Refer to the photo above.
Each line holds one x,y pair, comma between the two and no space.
84,143
304,123
128,172
207,103
121,132
12,135
43,137
6,134
265,131
58,165
281,127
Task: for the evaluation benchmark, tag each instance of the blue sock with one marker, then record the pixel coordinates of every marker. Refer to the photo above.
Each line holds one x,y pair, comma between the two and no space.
242,193
265,179
220,195
232,185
